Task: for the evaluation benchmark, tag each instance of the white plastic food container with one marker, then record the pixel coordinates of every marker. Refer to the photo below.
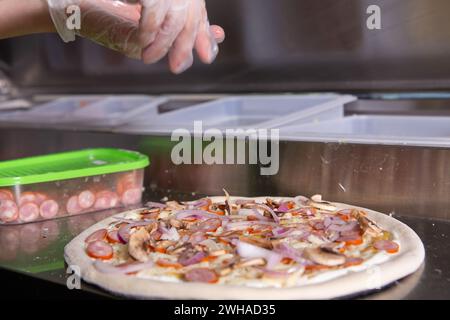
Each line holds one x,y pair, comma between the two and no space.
399,130
247,112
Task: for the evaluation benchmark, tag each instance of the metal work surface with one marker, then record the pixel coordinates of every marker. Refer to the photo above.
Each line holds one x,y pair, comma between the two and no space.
412,183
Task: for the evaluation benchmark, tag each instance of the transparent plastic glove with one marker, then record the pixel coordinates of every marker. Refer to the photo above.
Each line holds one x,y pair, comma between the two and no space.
176,27
144,29
113,24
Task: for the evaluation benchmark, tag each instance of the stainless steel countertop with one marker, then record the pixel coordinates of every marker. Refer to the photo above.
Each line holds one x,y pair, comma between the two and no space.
412,183
37,250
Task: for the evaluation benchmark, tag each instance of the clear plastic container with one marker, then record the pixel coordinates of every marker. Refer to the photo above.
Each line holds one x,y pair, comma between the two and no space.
71,183
420,130
91,111
115,111
259,111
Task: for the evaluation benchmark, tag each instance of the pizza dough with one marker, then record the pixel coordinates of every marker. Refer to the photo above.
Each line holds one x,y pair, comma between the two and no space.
337,283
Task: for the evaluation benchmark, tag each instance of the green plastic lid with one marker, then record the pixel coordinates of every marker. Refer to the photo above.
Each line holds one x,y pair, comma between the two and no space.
69,165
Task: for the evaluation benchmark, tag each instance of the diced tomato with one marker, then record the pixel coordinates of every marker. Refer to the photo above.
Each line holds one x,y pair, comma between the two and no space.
251,230
218,212
160,250
209,258
286,260
168,264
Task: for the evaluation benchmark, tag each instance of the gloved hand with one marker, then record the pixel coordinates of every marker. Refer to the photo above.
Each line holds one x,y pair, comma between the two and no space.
144,29
175,27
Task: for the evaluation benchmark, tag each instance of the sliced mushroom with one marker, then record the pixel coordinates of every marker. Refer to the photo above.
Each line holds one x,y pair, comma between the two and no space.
251,263
367,225
218,253
137,246
324,257
317,202
176,223
174,205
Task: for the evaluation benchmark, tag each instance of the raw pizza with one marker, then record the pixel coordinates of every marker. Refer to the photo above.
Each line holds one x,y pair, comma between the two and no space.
246,248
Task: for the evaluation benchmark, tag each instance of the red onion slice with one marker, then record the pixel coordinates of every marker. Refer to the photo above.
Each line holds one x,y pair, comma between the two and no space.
267,208
196,258
152,205
283,207
209,225
124,231
123,268
305,210
288,252
351,226
249,251
199,203
196,238
281,232
171,234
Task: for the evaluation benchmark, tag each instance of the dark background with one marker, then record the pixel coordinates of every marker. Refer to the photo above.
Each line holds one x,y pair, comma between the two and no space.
272,45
